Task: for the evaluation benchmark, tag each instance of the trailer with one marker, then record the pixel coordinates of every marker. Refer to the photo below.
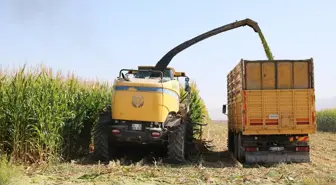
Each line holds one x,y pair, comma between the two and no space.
271,110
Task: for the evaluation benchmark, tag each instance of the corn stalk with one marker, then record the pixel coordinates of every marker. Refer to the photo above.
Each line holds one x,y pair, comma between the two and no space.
198,111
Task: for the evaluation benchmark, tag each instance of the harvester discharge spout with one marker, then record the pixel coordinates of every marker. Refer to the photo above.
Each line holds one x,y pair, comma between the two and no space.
166,59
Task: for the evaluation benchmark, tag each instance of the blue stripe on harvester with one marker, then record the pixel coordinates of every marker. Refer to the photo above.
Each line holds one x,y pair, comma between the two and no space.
147,89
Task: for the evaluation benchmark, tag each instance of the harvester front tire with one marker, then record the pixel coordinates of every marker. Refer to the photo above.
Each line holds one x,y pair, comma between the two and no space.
101,148
176,144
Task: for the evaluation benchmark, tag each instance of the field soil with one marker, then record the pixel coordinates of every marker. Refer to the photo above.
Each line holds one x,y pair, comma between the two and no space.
214,167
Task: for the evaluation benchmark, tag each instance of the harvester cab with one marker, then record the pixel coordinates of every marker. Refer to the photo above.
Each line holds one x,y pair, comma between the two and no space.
146,109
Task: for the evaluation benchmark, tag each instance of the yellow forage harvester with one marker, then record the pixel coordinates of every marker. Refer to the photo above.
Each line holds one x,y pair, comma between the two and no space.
146,109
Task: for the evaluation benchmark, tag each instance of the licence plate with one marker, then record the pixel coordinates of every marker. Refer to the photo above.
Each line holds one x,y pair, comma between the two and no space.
276,148
136,126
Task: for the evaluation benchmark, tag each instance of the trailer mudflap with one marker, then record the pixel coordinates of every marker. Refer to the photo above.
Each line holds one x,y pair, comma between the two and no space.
277,157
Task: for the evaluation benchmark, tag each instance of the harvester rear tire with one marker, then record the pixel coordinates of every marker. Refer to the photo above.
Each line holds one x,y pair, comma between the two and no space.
176,144
189,131
189,141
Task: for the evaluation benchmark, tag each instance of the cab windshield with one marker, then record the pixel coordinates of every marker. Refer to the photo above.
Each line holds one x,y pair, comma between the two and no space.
146,74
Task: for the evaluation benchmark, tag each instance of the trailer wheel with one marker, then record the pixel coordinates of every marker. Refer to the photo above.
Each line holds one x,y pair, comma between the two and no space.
176,144
240,149
230,142
235,148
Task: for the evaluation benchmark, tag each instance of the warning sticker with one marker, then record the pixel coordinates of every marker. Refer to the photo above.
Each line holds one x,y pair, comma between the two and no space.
273,116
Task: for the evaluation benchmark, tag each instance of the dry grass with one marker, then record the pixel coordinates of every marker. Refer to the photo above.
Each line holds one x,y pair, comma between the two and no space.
214,168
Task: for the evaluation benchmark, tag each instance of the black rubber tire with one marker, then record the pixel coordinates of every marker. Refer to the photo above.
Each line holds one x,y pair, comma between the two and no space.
229,142
232,141
101,149
240,151
189,132
190,145
189,129
235,147
102,146
177,144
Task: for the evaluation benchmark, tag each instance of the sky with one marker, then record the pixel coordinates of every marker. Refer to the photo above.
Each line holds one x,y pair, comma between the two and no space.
96,38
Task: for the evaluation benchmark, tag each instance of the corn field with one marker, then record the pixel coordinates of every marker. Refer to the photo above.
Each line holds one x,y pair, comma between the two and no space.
326,120
46,116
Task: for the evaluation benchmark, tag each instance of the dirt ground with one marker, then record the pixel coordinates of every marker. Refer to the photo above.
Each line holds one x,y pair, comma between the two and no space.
216,167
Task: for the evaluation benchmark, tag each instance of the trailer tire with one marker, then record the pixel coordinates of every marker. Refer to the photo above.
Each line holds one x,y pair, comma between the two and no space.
230,141
176,144
235,148
240,149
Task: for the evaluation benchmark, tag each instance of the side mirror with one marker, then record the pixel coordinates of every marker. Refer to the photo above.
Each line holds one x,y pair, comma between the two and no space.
187,86
224,109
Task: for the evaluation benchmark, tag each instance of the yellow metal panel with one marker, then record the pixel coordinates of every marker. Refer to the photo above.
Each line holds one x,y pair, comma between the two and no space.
238,112
272,111
151,110
235,113
256,107
278,74
285,79
301,75
170,103
253,75
234,95
278,131
268,75
156,100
